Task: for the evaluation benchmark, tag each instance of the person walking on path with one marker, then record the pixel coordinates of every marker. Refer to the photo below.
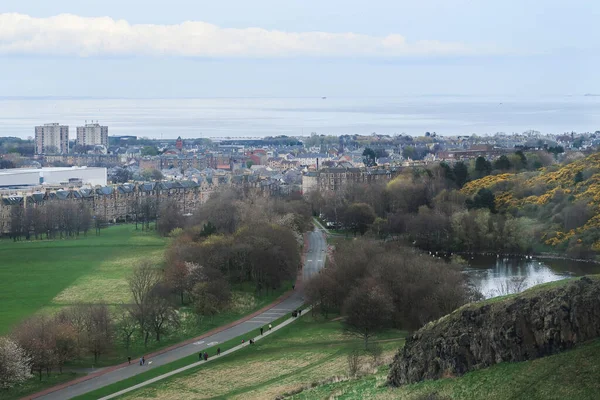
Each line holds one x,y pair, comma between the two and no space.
141,362
299,312
270,326
261,331
219,351
205,356
200,356
129,359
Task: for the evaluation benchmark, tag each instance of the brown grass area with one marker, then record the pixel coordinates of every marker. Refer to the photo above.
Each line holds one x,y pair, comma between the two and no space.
225,378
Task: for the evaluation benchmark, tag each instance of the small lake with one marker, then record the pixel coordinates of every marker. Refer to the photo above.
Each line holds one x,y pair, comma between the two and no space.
495,276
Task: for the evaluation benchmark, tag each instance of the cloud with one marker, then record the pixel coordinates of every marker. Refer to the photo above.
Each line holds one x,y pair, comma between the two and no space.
72,35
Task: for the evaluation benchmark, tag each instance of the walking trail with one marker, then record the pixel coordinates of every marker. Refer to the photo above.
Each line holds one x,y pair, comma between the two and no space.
313,261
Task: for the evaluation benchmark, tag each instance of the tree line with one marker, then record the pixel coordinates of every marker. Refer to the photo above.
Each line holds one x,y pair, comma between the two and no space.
53,220
426,207
377,286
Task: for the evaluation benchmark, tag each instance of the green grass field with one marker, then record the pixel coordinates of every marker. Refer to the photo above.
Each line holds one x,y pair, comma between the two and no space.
309,350
49,274
573,375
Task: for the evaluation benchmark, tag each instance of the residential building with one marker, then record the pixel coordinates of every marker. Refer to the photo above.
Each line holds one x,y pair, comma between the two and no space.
52,138
92,134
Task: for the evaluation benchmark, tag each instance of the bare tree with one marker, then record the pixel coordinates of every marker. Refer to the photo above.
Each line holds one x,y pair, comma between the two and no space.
99,330
65,339
125,323
170,217
353,362
177,277
141,283
368,310
36,336
161,313
15,364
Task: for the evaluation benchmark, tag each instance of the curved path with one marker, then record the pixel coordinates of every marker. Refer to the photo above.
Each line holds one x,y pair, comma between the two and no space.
314,260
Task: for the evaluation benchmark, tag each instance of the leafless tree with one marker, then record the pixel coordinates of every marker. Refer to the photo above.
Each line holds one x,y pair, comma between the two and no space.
36,336
99,330
368,309
125,323
141,283
169,217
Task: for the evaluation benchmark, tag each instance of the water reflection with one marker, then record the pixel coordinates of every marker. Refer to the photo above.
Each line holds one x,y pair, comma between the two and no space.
494,276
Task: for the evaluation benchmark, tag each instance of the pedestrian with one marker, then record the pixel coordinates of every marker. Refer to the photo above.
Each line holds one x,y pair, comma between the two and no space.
143,361
219,351
205,356
270,326
243,341
129,359
200,356
293,287
261,330
299,312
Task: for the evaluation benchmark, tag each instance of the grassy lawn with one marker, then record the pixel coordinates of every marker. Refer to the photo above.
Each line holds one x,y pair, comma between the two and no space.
43,276
309,350
48,274
574,374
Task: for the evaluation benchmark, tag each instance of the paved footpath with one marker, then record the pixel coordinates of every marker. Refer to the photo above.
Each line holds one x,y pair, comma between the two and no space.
314,260
199,363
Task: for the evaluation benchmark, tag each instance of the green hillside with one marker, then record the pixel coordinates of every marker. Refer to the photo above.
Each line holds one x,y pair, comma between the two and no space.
573,375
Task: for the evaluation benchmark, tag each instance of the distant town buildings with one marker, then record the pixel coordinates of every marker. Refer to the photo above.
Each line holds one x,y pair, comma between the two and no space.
92,135
52,138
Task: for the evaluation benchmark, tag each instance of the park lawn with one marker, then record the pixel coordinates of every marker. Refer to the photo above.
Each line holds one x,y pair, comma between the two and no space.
574,374
54,273
308,350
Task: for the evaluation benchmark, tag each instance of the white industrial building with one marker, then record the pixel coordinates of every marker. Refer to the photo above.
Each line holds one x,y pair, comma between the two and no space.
25,177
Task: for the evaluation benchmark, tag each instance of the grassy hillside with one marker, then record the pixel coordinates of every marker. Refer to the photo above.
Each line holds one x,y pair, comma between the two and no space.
304,352
574,374
49,274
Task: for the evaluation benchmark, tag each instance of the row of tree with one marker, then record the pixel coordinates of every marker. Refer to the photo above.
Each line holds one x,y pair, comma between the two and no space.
54,219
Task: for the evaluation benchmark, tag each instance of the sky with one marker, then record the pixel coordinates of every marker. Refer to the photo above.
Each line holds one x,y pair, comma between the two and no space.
292,48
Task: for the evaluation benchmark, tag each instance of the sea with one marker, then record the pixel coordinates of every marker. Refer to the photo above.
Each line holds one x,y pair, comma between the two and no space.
259,117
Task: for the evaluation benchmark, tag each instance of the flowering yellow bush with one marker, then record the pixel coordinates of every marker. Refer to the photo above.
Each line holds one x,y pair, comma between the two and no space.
487,182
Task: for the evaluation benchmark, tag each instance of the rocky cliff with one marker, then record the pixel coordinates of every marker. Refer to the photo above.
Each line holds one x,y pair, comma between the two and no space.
538,322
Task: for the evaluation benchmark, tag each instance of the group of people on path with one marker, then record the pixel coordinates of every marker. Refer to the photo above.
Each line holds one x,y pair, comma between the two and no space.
204,356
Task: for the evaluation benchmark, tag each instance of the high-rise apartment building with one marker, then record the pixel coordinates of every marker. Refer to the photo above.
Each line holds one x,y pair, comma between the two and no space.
52,138
92,134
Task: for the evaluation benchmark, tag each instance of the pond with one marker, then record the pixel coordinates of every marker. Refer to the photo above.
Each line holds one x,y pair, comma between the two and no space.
497,276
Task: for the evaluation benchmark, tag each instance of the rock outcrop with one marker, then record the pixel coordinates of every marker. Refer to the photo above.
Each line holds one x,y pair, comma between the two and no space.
538,322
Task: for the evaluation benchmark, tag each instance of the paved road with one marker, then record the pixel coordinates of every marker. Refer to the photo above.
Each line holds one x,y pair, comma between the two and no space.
314,261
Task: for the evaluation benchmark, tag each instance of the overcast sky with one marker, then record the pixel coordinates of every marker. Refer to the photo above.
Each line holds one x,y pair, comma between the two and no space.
178,48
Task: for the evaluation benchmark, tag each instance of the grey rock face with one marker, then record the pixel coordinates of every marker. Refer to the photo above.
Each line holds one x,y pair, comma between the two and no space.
536,323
